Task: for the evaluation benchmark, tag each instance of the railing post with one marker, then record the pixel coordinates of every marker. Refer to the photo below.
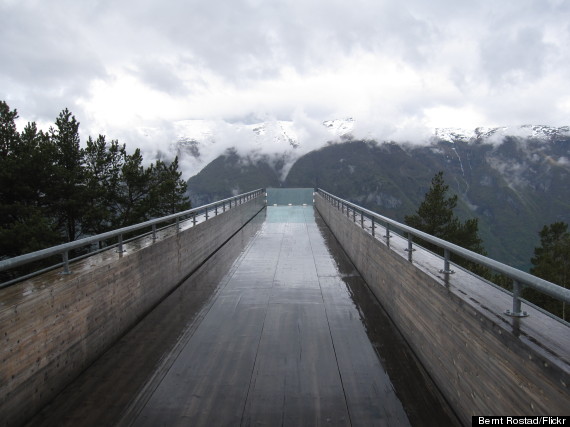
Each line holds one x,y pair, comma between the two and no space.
361,219
120,249
206,214
177,224
373,227
446,267
193,219
353,215
387,236
153,233
517,290
410,249
66,269
216,210
223,206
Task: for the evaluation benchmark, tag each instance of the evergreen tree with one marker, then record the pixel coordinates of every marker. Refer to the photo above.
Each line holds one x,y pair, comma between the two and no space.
551,262
435,216
167,189
9,136
103,163
133,199
24,172
68,197
52,190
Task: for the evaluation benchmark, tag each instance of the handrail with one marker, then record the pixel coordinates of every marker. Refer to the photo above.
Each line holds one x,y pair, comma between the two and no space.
519,277
64,248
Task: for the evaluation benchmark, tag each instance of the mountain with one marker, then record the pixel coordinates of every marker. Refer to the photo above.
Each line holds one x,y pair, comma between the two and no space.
199,142
231,174
497,134
515,180
513,188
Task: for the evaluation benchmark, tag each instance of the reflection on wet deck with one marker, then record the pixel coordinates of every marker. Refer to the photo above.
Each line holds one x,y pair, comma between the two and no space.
291,335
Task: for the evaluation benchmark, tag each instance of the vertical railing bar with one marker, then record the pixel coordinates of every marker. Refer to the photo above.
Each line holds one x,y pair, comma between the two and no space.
517,292
410,249
66,269
446,264
120,246
153,233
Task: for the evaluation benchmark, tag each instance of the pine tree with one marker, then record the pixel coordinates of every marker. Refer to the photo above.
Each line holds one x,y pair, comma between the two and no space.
103,164
9,136
167,189
52,190
435,216
133,199
435,213
551,262
67,193
24,172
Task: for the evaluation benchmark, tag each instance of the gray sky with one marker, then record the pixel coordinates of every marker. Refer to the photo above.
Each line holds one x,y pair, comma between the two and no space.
399,67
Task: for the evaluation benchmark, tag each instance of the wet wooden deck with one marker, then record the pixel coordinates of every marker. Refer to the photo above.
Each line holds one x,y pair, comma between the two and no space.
291,335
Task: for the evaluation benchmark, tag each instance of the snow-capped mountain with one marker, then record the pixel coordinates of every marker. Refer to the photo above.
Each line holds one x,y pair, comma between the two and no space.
513,179
340,128
198,142
278,133
497,134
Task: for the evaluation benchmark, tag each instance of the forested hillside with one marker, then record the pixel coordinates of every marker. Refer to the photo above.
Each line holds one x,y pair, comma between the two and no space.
513,187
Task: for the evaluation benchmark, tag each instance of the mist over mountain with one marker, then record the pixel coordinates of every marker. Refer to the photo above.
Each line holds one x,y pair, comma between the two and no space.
199,142
515,180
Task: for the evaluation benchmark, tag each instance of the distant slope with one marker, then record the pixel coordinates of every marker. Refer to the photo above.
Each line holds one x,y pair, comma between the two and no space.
230,174
514,184
513,188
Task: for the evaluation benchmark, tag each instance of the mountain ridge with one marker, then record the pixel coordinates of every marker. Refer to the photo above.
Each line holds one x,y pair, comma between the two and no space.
513,187
198,142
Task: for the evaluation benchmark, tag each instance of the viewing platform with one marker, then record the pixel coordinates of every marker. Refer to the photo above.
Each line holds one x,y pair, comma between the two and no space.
255,311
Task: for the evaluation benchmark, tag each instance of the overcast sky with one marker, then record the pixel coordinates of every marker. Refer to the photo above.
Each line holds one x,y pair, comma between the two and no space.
398,67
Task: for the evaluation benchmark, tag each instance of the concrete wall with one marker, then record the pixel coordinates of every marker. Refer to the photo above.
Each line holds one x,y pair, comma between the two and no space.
53,327
485,363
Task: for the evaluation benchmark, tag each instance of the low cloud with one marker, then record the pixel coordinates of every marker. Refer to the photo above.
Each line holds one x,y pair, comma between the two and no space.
400,69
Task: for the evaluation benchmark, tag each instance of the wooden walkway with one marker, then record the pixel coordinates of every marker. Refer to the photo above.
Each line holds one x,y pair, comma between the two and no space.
291,336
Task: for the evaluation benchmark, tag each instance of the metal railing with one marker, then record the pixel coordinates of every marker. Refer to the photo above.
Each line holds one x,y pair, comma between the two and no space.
519,278
64,250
